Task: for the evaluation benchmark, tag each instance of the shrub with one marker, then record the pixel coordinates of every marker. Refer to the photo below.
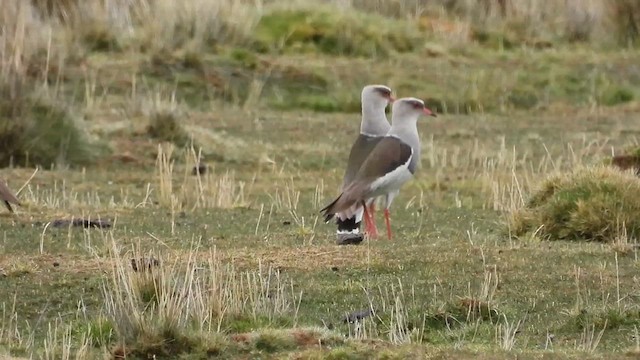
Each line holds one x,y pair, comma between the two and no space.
165,126
592,204
39,132
342,33
616,95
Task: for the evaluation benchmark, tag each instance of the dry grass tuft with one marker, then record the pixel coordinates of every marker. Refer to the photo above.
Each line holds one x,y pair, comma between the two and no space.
35,125
508,23
183,304
592,204
208,190
166,126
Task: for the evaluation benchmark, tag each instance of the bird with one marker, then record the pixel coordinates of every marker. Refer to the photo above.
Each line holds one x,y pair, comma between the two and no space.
392,162
7,196
373,126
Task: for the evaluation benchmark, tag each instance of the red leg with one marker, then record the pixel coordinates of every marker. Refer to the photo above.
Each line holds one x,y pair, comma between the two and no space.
369,225
388,222
372,213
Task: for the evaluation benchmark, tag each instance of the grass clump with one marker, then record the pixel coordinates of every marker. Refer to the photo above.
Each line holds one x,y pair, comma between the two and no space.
165,126
193,303
170,344
100,39
35,131
617,95
327,32
99,331
608,317
592,204
270,341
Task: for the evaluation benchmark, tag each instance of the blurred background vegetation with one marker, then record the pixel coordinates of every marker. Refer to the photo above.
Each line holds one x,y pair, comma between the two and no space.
538,91
73,71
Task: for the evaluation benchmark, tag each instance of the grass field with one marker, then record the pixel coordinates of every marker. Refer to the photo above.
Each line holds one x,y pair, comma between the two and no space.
105,119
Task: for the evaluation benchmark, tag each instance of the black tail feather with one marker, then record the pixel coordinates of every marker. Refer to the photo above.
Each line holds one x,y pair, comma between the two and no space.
8,205
349,224
328,212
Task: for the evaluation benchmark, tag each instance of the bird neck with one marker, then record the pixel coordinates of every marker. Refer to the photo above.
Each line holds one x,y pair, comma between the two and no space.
405,127
374,121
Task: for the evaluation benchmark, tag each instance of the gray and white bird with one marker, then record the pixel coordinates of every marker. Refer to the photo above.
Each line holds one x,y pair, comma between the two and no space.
392,162
7,196
373,126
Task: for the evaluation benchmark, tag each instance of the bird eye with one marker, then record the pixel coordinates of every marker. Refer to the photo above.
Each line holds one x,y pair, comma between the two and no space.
384,91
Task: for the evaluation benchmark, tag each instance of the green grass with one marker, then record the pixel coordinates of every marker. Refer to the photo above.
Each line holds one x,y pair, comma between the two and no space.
328,32
246,267
449,274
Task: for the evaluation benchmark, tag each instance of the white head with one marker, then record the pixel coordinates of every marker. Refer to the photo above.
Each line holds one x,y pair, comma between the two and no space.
376,96
375,99
410,108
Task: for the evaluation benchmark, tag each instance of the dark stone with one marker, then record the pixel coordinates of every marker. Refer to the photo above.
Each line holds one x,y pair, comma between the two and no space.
144,264
98,223
349,239
199,169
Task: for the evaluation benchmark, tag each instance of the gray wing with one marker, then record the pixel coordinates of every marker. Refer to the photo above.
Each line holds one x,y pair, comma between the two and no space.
359,152
388,155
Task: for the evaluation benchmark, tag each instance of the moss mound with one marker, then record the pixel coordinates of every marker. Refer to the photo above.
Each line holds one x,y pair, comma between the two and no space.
592,204
617,95
37,132
341,33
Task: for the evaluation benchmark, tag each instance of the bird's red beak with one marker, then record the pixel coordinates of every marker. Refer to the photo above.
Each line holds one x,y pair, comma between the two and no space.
428,112
391,99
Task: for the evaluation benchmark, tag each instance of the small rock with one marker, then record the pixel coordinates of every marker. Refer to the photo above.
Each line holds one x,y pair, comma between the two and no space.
56,264
334,268
286,222
60,223
350,239
199,169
